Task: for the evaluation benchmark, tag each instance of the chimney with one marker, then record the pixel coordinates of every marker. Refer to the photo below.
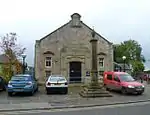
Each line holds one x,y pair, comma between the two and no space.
76,20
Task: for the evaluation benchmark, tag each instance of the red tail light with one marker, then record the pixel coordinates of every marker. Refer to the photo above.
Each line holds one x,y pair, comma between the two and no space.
48,83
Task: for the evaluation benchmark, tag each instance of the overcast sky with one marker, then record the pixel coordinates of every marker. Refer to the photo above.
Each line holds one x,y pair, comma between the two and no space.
117,20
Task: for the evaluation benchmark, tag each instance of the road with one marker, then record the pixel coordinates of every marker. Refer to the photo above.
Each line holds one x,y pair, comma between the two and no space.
123,109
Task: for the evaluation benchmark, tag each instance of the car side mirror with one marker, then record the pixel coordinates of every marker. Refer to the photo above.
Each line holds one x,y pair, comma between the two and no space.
118,80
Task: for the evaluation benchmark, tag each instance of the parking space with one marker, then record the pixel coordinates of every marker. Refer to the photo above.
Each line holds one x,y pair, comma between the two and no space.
71,97
39,96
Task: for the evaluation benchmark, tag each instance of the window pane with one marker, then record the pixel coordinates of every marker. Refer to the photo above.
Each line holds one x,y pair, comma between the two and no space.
101,73
109,77
101,62
48,58
48,61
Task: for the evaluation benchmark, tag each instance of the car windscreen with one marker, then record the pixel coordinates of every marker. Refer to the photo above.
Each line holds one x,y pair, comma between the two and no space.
55,79
21,78
126,78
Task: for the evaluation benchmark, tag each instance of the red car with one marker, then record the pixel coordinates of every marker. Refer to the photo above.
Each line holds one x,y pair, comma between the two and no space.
121,81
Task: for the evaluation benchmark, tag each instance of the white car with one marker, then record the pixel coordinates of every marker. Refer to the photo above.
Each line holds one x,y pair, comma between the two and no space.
56,83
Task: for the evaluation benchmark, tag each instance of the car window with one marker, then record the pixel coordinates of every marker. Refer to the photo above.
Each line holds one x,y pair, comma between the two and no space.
116,78
109,77
57,79
23,78
126,78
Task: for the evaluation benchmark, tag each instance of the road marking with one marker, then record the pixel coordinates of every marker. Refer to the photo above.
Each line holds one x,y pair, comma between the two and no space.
72,109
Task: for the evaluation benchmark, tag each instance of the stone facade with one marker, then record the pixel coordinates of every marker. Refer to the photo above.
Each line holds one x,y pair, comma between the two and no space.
71,43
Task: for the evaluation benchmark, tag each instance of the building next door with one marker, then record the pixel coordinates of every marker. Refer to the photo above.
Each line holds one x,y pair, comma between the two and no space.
75,72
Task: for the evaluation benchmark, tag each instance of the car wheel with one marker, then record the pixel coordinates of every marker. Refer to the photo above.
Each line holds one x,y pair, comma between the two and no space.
123,91
65,91
37,89
4,88
47,91
106,87
10,93
31,93
140,93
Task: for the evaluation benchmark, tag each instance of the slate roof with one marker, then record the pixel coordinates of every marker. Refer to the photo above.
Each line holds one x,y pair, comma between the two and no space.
81,23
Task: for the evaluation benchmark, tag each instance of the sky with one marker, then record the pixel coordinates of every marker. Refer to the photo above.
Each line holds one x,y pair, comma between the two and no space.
116,20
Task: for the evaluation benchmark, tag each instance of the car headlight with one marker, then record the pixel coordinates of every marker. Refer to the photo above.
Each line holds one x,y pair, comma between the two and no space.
130,86
143,86
29,84
9,84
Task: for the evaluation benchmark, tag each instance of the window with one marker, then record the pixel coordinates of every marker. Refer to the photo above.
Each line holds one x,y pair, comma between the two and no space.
48,62
126,78
101,73
116,79
101,62
109,77
48,73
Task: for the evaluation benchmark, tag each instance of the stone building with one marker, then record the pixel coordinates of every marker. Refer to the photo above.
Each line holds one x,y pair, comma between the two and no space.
67,51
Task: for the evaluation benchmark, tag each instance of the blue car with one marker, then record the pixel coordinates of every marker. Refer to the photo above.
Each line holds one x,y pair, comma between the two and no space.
22,83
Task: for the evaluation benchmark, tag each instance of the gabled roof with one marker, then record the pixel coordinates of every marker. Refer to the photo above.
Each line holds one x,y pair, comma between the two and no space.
54,31
67,24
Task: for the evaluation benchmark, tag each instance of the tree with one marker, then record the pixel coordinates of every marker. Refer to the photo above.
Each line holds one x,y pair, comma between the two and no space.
137,67
10,48
133,51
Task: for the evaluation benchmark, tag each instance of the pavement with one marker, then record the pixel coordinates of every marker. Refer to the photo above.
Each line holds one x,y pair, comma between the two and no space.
141,108
41,101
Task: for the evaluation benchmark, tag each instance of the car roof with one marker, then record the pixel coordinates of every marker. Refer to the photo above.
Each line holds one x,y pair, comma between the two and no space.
22,75
56,76
114,72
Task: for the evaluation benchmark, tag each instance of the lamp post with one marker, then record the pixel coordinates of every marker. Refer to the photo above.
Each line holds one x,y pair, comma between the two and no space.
124,59
23,66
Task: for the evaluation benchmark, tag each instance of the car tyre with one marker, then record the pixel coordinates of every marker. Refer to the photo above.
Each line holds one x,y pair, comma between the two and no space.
123,91
4,88
10,94
47,92
37,89
65,91
106,87
140,93
31,93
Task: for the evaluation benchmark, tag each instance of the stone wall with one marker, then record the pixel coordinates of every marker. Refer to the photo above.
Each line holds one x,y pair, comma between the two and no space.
70,43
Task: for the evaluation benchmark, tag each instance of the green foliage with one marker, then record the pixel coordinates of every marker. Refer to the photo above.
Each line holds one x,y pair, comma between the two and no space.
13,51
132,50
6,72
137,66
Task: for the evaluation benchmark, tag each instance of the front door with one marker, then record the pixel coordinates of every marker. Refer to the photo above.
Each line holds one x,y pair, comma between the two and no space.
75,72
116,83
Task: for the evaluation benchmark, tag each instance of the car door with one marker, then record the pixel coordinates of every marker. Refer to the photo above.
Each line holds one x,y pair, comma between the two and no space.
109,81
116,83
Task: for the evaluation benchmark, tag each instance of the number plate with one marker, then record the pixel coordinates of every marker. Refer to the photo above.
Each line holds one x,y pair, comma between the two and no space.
18,89
57,84
138,89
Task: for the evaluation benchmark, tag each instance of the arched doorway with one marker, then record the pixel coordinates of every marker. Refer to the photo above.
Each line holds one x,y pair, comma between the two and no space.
75,72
